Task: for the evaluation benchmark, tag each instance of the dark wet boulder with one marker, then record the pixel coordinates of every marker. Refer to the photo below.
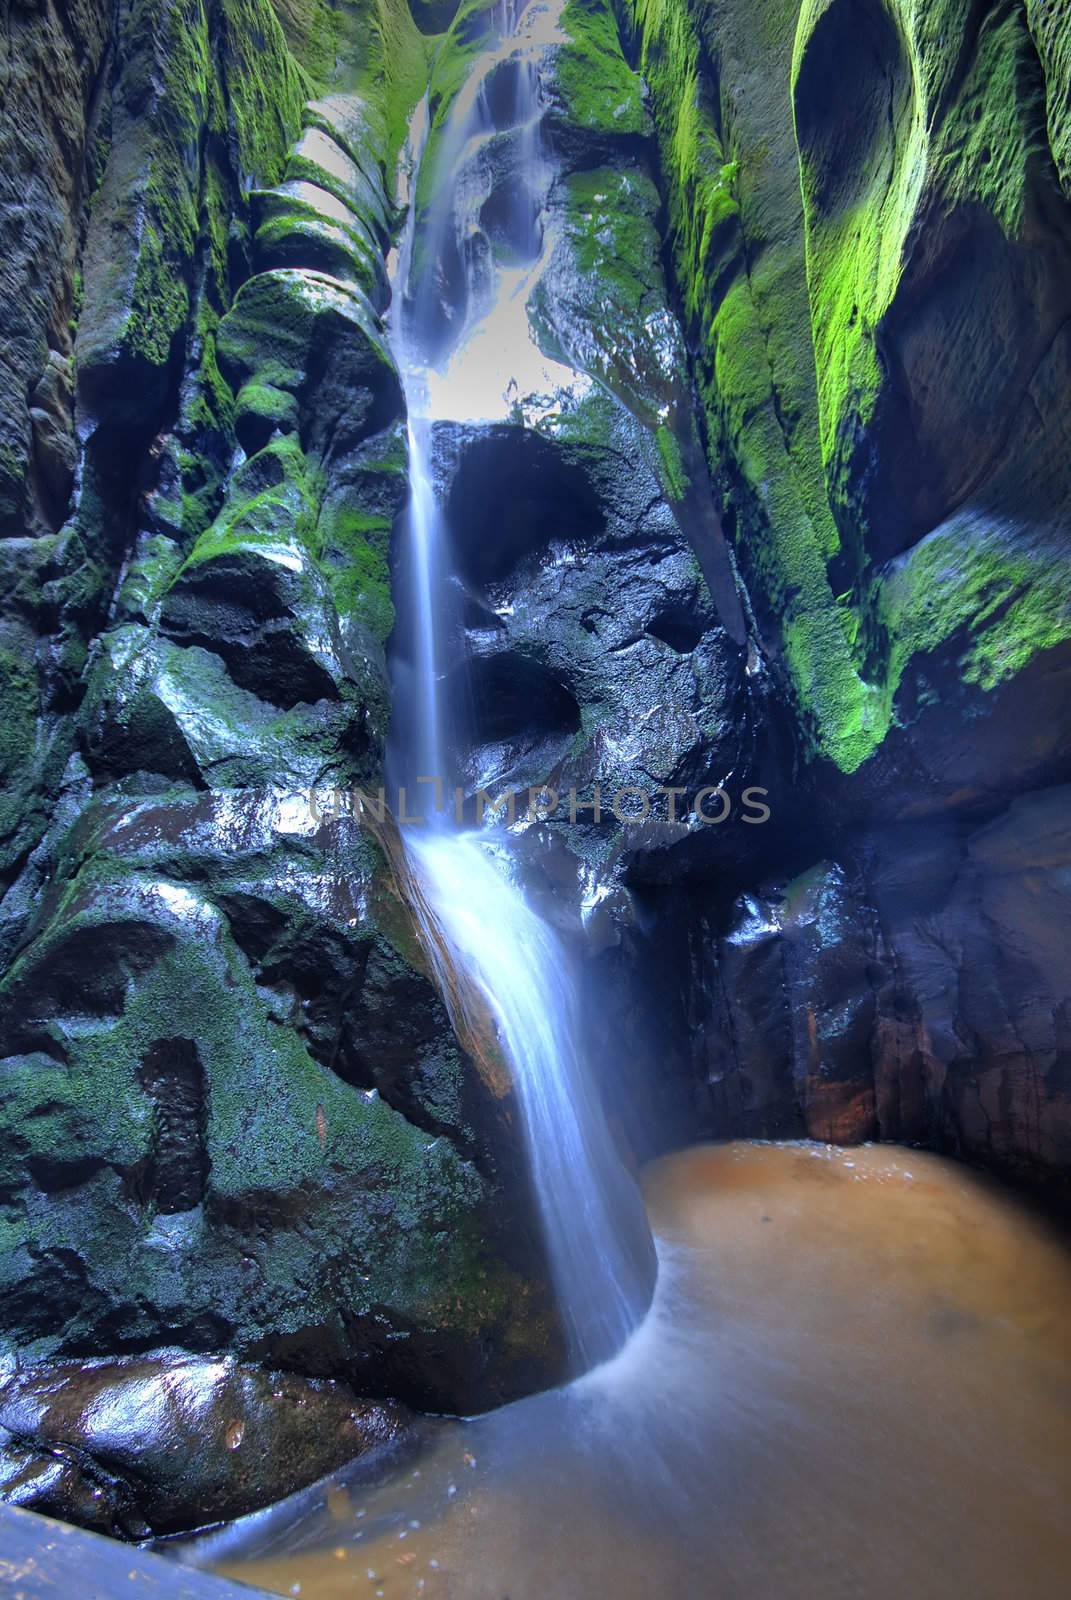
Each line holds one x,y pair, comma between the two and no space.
595,655
168,1442
916,991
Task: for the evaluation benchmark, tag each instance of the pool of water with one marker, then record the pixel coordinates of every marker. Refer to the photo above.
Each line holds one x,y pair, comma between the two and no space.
855,1380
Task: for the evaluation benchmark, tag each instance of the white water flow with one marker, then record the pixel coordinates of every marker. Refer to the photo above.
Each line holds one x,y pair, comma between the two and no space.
461,337
424,567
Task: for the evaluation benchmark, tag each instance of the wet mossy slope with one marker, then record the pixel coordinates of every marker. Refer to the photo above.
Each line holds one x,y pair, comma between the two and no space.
235,1116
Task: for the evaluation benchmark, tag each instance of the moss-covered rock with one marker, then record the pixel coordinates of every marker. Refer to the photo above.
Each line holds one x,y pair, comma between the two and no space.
320,340
302,224
319,159
19,710
1050,27
260,411
601,303
732,195
52,57
600,99
141,247
253,1197
934,170
231,1144
861,362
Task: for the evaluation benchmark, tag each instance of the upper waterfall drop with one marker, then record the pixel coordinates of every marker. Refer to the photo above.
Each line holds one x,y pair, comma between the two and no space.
471,363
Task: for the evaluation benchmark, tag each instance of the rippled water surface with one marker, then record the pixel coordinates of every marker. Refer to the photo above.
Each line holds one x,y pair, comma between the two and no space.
855,1380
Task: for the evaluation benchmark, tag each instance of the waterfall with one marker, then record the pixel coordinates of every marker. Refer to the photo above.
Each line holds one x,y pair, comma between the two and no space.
588,1204
467,360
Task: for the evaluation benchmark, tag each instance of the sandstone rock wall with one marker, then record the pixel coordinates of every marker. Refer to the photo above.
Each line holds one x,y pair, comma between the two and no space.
235,1115
868,232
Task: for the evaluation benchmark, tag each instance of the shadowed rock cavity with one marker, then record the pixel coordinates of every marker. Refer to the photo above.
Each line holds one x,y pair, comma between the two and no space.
172,1076
512,494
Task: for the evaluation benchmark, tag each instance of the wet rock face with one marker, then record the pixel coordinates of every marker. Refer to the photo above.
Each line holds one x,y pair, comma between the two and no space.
200,1069
960,331
174,1079
592,653
875,291
52,67
916,991
151,1445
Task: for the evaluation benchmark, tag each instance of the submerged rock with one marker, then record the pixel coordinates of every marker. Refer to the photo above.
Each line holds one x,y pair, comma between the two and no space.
168,1442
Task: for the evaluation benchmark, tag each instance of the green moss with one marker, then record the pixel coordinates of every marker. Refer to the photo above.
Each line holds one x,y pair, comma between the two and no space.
275,498
209,406
600,92
313,29
963,131
601,303
609,215
159,301
700,178
159,304
858,208
265,335
391,68
176,37
285,323
13,468
288,221
1050,28
215,221
275,408
748,322
674,478
155,566
998,601
354,555
364,1210
18,736
199,112
988,139
265,89
343,179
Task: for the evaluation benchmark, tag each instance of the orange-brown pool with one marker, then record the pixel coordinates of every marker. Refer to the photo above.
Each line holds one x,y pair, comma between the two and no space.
855,1381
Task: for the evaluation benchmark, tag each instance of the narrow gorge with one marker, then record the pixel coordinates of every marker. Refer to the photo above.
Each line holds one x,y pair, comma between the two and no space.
535,853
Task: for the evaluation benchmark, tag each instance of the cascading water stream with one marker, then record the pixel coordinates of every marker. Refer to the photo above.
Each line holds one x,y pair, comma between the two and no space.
588,1204
596,1234
424,735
